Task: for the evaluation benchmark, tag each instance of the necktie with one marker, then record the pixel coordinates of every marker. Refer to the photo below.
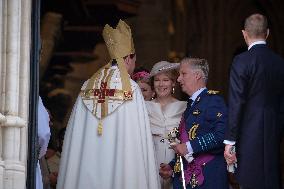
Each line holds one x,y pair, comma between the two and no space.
186,112
189,102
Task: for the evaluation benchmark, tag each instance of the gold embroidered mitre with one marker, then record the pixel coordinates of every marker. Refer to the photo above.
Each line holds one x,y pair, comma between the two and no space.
118,40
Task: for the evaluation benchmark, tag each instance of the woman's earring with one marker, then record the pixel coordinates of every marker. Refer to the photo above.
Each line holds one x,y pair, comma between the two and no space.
153,96
173,90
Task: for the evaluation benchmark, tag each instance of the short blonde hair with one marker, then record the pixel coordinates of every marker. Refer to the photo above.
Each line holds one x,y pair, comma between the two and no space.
256,25
172,74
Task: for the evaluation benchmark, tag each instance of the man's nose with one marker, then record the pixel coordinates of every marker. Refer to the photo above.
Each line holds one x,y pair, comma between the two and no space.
178,79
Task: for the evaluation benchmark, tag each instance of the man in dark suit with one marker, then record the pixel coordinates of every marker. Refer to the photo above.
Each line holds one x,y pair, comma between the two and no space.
202,130
255,111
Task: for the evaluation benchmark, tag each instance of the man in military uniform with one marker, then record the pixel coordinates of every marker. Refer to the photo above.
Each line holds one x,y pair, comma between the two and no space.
108,142
201,133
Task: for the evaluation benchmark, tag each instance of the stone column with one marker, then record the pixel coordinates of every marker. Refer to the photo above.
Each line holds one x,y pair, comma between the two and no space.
14,91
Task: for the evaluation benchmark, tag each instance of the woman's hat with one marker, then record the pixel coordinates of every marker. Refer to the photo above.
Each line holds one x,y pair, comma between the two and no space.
163,66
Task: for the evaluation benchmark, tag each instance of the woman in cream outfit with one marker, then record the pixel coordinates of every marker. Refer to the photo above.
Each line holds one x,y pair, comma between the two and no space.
165,112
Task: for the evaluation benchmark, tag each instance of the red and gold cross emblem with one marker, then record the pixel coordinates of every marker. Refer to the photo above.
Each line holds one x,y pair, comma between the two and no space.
103,92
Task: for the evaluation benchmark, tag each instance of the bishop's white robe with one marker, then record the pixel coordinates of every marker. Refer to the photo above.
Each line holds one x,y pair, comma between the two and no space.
43,138
121,158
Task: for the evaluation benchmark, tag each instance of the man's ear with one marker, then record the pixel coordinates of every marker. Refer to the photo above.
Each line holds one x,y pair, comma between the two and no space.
244,33
267,34
246,36
127,60
198,75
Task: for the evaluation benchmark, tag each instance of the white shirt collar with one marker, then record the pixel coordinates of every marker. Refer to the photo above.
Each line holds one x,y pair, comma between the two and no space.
256,43
196,93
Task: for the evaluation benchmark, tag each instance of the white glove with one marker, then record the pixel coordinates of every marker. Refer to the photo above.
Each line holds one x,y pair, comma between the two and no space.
189,158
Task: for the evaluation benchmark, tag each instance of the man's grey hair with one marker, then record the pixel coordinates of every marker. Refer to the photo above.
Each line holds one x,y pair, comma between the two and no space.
256,26
198,64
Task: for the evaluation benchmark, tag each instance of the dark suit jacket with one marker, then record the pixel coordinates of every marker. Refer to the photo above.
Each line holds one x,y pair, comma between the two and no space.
209,111
256,116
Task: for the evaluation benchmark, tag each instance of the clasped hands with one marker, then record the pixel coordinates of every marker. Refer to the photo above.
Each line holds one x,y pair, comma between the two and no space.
165,169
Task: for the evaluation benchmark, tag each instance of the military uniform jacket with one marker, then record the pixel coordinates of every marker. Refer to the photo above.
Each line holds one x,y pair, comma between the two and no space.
205,124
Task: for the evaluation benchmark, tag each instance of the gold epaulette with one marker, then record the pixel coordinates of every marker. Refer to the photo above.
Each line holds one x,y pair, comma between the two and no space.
212,92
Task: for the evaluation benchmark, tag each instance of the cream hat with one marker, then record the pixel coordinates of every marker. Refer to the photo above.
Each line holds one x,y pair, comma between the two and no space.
163,66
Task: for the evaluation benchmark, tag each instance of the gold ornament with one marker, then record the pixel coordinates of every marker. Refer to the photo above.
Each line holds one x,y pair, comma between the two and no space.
212,92
196,112
193,181
177,166
192,131
100,128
